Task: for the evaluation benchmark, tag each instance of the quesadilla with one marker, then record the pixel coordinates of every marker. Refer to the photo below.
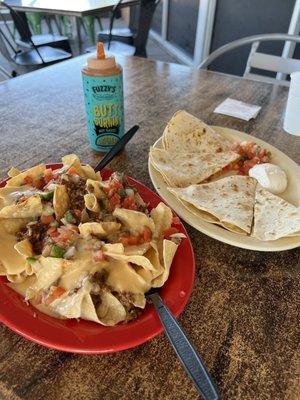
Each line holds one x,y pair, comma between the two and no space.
228,202
274,217
184,169
186,133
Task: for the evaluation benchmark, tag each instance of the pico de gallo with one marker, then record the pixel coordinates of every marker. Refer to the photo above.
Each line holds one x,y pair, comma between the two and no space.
251,154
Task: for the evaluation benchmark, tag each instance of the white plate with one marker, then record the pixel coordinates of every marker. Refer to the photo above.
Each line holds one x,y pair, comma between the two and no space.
292,194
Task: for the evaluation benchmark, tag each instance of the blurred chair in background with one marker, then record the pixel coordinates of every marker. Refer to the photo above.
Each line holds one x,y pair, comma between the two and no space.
32,56
132,40
26,39
261,61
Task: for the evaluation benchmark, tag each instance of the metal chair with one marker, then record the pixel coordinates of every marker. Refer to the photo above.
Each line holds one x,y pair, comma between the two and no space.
132,40
258,60
34,56
26,38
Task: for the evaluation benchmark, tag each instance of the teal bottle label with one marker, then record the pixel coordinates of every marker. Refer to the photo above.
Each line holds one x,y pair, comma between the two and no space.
105,110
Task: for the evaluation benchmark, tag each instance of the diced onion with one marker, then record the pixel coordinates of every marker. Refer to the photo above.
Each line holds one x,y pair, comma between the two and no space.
129,192
46,251
51,187
70,252
178,235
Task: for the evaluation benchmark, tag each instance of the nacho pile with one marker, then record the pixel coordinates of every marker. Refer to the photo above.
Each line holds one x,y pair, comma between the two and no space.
78,247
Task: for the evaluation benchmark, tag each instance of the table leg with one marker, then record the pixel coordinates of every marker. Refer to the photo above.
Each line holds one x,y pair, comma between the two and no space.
76,34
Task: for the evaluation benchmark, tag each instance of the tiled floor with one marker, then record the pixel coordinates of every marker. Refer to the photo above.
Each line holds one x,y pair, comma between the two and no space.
154,49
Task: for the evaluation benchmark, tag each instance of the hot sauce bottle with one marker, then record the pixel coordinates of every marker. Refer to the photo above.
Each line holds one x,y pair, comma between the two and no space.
104,103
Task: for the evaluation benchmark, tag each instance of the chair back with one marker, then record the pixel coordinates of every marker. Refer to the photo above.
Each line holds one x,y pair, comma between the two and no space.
259,60
21,23
271,63
147,9
9,47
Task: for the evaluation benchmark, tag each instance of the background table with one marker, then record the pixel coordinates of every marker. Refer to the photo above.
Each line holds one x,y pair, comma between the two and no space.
243,315
72,8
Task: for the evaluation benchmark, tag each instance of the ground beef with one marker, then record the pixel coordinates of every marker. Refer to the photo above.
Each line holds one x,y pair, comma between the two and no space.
76,191
35,232
124,298
100,278
126,301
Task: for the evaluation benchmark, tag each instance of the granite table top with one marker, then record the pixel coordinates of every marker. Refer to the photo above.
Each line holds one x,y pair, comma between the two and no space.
243,315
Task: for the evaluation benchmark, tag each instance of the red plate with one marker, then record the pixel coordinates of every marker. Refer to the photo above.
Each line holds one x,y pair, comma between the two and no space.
88,337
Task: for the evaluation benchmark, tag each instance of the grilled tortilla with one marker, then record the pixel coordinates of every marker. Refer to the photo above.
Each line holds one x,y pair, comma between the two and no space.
186,133
274,217
228,202
184,169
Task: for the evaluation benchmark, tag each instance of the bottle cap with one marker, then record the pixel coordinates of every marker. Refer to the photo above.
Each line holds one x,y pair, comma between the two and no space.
101,62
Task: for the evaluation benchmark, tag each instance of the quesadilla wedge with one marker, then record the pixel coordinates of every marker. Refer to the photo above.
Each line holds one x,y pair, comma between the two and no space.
274,217
184,169
228,202
186,133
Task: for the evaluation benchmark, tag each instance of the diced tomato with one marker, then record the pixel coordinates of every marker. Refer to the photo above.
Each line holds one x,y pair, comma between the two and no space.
147,234
48,175
99,256
114,201
53,232
28,180
72,171
170,231
134,240
77,213
130,240
116,185
129,203
175,220
66,235
47,219
38,183
124,240
22,198
57,292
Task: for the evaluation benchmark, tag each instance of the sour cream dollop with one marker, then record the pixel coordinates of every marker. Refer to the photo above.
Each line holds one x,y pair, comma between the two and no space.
270,176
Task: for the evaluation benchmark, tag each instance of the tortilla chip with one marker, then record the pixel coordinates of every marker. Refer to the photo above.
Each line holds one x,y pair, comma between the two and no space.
13,172
48,271
24,248
85,171
169,250
274,217
91,202
89,173
9,194
99,229
162,217
61,201
94,187
34,172
134,259
123,278
110,311
71,160
134,221
12,225
2,270
30,208
114,248
184,169
138,250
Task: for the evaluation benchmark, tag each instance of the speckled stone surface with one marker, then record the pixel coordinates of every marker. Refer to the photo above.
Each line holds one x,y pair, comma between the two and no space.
243,315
